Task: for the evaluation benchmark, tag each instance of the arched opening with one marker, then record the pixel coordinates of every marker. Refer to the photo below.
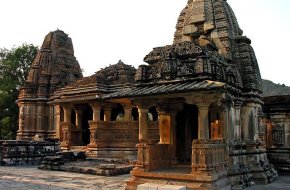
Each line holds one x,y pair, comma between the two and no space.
186,131
87,116
117,111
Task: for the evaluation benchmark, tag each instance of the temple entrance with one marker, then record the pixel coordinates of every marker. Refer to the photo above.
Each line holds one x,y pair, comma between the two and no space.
186,131
87,116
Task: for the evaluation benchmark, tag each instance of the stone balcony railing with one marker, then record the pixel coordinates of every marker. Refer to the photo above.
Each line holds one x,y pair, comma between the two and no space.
208,155
119,133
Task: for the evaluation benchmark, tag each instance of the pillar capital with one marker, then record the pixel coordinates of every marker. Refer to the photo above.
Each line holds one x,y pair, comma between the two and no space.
203,106
143,110
79,111
95,105
128,112
67,106
238,104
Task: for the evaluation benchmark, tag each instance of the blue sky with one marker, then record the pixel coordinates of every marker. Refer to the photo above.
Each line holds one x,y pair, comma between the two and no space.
105,31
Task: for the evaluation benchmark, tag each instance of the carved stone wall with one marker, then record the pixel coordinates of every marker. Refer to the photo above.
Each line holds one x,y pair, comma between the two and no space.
277,131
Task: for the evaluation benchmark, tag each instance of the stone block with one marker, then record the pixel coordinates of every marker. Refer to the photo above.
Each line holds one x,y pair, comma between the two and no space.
171,187
107,166
208,26
148,186
152,186
189,29
197,18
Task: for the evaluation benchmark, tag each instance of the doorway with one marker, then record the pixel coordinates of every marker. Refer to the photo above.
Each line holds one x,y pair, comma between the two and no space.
186,131
87,116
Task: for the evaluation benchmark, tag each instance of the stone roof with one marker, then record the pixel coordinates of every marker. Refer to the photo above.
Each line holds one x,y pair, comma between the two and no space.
108,80
85,81
165,88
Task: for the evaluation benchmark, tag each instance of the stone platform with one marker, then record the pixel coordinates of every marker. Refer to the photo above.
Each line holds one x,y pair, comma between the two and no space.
27,178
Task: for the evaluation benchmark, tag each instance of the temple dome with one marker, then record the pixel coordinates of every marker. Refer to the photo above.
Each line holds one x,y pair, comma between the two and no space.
54,66
213,22
117,74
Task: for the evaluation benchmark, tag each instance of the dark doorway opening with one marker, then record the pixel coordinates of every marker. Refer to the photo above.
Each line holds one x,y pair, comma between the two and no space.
186,131
87,116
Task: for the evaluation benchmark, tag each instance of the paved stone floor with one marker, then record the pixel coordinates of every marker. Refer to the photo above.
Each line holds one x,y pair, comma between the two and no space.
30,178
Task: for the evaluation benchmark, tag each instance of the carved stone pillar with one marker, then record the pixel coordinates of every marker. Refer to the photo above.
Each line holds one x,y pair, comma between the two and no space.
143,125
94,124
21,118
96,112
107,113
203,125
164,127
128,112
67,114
238,127
57,109
247,122
21,122
231,122
79,118
66,127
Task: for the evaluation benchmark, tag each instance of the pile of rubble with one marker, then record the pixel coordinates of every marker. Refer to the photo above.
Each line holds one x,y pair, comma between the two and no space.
77,162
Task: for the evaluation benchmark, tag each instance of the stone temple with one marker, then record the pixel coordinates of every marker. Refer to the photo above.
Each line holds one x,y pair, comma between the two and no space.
190,115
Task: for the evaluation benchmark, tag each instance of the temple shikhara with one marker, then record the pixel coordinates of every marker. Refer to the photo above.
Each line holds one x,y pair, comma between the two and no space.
191,115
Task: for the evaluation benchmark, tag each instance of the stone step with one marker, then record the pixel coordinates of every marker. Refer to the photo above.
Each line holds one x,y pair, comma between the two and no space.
152,186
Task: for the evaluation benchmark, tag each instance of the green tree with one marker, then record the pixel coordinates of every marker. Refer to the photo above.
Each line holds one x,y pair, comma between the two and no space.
14,68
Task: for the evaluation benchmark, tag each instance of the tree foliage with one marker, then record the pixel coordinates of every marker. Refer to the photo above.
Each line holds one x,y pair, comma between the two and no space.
14,68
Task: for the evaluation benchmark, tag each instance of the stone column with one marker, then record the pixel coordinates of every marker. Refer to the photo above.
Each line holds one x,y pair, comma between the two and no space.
143,125
20,122
94,124
57,109
67,114
107,113
21,118
66,127
79,118
164,127
238,127
203,125
247,122
78,138
128,112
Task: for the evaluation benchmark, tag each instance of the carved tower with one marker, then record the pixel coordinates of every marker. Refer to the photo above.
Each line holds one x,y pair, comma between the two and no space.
54,67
